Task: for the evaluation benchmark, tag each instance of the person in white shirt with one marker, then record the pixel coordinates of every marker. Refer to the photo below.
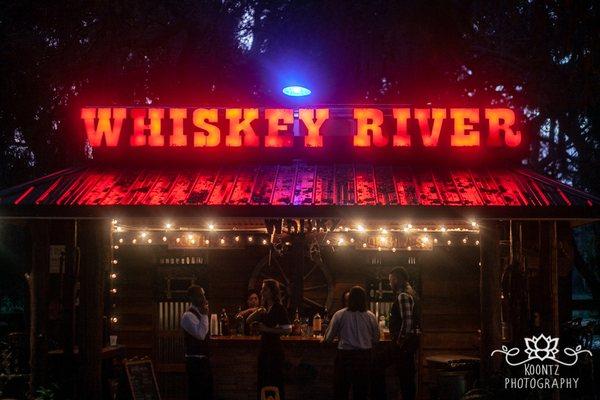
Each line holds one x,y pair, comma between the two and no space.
194,323
357,331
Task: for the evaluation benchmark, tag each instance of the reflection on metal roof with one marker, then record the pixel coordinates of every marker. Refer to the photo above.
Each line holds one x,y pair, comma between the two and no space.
296,184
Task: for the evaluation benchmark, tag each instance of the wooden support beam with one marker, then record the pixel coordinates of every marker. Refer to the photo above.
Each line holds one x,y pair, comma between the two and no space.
490,291
95,246
554,279
68,290
38,290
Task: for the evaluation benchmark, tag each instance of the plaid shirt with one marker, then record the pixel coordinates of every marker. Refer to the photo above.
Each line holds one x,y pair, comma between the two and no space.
406,312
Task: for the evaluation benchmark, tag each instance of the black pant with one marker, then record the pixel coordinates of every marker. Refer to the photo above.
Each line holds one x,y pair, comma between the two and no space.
199,377
403,360
352,368
270,371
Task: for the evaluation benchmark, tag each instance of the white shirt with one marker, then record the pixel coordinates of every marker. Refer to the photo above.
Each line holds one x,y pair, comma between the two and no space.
198,328
355,329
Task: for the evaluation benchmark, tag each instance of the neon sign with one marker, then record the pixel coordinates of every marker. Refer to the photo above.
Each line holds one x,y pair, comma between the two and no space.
360,127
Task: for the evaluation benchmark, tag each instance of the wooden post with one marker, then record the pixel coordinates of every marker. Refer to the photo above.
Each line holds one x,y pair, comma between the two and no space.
70,278
94,244
490,290
38,290
554,279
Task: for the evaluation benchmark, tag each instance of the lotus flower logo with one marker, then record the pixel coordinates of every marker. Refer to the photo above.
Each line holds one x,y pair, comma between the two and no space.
541,348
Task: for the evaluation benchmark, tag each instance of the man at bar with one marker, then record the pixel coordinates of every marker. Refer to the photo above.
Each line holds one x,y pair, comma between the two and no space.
272,321
404,341
194,323
357,330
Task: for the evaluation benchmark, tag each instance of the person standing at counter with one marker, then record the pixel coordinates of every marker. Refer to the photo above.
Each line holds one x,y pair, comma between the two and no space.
403,337
357,330
272,321
194,323
252,304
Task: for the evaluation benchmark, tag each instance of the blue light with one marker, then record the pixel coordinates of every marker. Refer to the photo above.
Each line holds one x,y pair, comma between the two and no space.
296,91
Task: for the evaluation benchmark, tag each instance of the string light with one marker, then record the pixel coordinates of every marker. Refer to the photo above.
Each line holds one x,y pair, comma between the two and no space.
443,229
364,245
464,240
114,221
134,240
113,290
222,241
477,243
237,238
115,262
168,225
121,240
211,227
144,234
113,276
114,320
177,240
449,242
164,238
264,241
116,247
250,239
149,241
360,228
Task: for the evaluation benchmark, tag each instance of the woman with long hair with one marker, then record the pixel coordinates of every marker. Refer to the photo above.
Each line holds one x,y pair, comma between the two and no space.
357,331
272,321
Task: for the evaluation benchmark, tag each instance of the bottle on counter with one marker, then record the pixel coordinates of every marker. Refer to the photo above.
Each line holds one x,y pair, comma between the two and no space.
325,322
316,325
297,325
224,323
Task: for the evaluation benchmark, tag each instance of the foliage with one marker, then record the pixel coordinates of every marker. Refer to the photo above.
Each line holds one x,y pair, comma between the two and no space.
539,57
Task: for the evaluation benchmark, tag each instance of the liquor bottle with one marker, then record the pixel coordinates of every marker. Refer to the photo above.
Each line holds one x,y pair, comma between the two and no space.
325,322
224,323
316,325
297,325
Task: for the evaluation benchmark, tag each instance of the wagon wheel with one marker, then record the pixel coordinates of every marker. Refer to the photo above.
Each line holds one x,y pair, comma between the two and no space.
317,292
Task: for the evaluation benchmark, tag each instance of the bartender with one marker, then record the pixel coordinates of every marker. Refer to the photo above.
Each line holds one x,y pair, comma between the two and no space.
252,304
194,323
272,321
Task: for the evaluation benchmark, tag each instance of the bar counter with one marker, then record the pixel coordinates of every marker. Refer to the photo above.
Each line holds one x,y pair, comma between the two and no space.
308,369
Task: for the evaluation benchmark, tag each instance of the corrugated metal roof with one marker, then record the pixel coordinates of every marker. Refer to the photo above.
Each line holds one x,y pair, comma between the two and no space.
296,184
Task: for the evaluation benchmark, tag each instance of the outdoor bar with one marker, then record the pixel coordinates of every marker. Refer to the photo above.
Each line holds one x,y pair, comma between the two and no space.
320,199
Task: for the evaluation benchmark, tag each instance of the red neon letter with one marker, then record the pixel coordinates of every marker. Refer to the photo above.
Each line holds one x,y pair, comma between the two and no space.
369,119
401,138
430,134
104,128
201,118
177,115
502,119
139,127
313,120
274,116
236,126
464,135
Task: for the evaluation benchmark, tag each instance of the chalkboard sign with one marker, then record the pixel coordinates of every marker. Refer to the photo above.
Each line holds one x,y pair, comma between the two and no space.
142,381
